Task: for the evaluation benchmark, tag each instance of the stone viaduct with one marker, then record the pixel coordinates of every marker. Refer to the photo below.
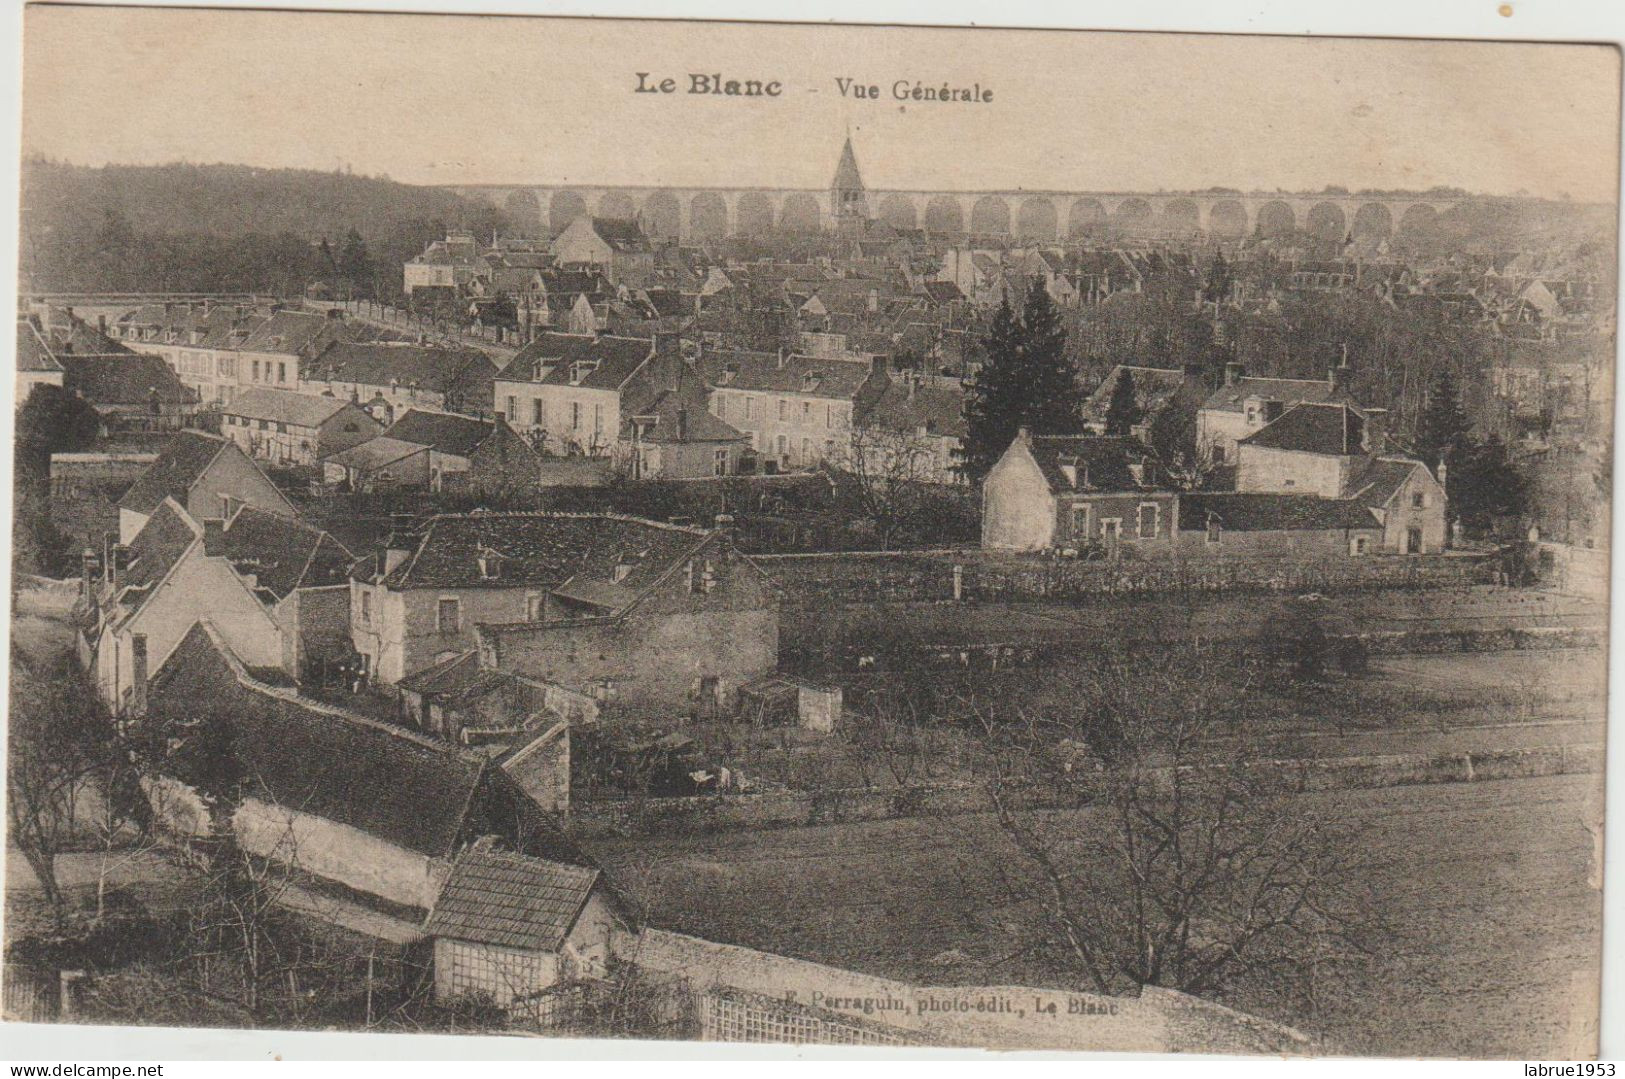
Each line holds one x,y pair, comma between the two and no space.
1043,216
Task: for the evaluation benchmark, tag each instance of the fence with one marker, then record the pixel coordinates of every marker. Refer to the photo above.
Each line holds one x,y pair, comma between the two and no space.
32,995
733,1015
819,581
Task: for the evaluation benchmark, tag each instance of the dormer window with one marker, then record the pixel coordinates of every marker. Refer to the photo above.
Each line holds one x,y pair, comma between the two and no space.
490,563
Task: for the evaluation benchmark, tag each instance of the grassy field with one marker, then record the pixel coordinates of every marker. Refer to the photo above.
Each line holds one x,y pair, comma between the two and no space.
1486,885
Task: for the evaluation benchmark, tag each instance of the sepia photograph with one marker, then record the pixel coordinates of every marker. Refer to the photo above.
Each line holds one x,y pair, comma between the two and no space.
815,534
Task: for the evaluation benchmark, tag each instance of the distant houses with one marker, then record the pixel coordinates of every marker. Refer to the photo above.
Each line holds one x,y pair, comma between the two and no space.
291,428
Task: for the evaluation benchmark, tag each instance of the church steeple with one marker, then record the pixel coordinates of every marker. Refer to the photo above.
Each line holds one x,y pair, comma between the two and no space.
847,187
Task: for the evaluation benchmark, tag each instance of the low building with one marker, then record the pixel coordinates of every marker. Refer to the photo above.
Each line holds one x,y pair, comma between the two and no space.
673,436
912,431
290,428
1238,525
465,453
507,926
130,390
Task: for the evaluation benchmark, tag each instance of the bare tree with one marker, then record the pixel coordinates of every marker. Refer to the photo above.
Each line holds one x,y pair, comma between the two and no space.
59,737
1160,848
891,471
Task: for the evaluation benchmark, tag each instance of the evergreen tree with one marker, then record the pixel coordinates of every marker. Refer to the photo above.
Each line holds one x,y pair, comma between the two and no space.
1485,486
354,264
993,400
1026,380
1444,427
1123,410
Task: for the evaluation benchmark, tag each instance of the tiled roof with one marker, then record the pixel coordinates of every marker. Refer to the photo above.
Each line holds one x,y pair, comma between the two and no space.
375,453
283,406
179,465
1381,477
167,535
510,900
1272,512
1312,428
33,354
541,550
123,378
699,424
377,364
391,784
444,431
283,555
839,379
938,409
1102,462
303,333
1288,390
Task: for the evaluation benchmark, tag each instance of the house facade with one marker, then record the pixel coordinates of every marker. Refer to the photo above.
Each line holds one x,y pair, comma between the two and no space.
209,476
290,428
798,411
1078,493
568,393
1242,406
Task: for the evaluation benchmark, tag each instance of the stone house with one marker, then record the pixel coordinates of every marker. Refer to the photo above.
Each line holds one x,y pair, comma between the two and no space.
1309,449
291,428
912,430
1071,492
388,378
1242,406
1217,525
798,410
465,453
617,245
419,600
568,393
207,475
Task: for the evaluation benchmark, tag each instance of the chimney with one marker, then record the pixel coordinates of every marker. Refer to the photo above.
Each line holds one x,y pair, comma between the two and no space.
214,537
1376,430
1234,372
90,565
138,675
101,324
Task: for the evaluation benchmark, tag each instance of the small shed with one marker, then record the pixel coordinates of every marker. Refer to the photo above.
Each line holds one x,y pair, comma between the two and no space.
507,925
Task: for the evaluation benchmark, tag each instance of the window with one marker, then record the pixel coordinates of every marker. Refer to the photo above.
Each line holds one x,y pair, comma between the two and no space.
366,607
806,451
1080,520
1252,414
1212,529
282,373
535,607
1358,545
750,410
720,467
784,409
806,411
575,415
256,370
597,419
446,616
1150,519
829,416
1419,500
513,408
536,412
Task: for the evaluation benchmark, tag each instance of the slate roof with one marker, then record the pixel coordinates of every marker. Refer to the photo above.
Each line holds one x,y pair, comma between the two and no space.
619,358
623,234
1102,461
456,677
33,354
700,425
123,378
540,550
846,171
510,900
1381,478
283,406
166,536
839,379
1272,512
283,555
391,784
377,364
938,409
1290,390
444,431
302,333
1312,428
180,464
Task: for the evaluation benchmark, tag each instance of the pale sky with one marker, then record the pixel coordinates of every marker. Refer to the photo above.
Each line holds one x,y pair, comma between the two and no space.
468,99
